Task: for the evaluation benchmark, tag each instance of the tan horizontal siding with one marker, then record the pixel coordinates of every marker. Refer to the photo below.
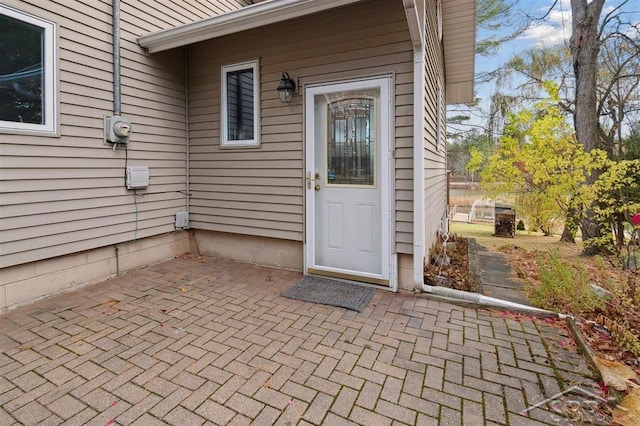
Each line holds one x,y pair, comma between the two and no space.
257,199
260,191
434,158
253,206
75,195
66,194
247,172
70,219
32,238
65,155
153,15
61,206
82,241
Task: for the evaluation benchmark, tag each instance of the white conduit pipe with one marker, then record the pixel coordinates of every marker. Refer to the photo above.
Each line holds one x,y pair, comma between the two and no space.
484,300
117,96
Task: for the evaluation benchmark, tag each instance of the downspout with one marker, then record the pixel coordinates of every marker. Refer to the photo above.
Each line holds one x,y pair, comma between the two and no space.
416,22
416,30
117,99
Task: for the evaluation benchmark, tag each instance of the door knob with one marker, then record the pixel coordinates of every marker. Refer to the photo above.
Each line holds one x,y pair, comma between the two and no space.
310,179
317,187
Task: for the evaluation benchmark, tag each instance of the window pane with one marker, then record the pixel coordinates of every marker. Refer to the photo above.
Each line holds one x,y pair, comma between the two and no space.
240,105
21,66
350,147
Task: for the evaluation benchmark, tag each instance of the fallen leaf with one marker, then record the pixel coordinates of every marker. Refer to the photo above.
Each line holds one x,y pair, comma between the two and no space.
184,290
628,412
604,389
615,374
110,303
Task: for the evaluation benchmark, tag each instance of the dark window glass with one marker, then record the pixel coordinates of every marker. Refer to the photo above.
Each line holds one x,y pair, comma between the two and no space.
240,105
21,71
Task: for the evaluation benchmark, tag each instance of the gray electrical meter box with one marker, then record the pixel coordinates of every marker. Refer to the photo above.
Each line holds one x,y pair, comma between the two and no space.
117,130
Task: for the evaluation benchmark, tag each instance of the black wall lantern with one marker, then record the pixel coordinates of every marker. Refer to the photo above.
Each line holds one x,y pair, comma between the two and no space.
287,88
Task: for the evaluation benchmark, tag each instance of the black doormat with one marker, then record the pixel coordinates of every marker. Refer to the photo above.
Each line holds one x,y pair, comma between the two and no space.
330,292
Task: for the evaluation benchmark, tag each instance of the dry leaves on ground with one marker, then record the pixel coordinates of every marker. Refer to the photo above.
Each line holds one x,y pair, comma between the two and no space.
616,374
455,274
628,412
612,330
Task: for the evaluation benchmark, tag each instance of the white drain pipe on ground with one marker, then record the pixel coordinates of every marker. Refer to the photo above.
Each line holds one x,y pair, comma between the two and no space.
480,299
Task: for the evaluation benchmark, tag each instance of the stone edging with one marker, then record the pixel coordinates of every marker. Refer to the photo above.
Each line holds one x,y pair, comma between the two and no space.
475,274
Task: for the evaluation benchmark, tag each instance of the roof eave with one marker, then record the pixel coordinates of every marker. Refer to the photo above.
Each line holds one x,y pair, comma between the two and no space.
246,18
459,37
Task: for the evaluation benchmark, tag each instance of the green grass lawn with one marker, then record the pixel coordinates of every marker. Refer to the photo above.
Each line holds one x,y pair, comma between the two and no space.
531,241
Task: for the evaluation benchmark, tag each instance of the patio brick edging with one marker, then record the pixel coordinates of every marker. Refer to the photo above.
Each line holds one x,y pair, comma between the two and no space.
475,274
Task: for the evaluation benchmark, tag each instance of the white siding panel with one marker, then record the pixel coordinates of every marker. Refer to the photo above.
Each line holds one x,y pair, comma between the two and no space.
260,191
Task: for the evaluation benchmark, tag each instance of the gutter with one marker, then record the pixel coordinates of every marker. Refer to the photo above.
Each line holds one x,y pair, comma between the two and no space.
246,18
416,29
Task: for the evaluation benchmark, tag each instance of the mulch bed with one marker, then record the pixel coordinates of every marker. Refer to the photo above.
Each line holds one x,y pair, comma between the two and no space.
449,265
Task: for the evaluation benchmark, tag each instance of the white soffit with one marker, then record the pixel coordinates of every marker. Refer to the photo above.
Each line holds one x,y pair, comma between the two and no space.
246,18
459,37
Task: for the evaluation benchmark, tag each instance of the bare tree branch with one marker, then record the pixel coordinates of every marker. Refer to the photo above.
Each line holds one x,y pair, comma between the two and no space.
531,18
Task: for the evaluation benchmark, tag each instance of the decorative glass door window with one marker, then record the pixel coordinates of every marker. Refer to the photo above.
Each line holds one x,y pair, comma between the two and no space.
351,142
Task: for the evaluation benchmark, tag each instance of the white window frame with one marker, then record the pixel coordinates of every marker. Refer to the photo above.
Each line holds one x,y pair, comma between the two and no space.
50,76
247,143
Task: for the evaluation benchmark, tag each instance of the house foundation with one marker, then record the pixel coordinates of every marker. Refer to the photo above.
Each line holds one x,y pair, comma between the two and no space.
263,251
28,282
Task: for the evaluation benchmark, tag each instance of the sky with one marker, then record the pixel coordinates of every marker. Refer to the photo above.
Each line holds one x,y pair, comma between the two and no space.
553,30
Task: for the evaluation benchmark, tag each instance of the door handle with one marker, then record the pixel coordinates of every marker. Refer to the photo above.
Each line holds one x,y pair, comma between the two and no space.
317,187
310,179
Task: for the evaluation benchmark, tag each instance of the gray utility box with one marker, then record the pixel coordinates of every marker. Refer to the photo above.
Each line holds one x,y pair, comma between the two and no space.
505,220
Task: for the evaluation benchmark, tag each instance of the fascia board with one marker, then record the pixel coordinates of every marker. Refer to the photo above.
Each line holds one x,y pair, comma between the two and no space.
459,22
258,15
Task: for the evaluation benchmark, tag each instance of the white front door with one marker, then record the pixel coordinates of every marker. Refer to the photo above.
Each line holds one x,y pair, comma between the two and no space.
347,180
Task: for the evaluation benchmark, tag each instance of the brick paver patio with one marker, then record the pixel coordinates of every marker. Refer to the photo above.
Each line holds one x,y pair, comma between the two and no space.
208,341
